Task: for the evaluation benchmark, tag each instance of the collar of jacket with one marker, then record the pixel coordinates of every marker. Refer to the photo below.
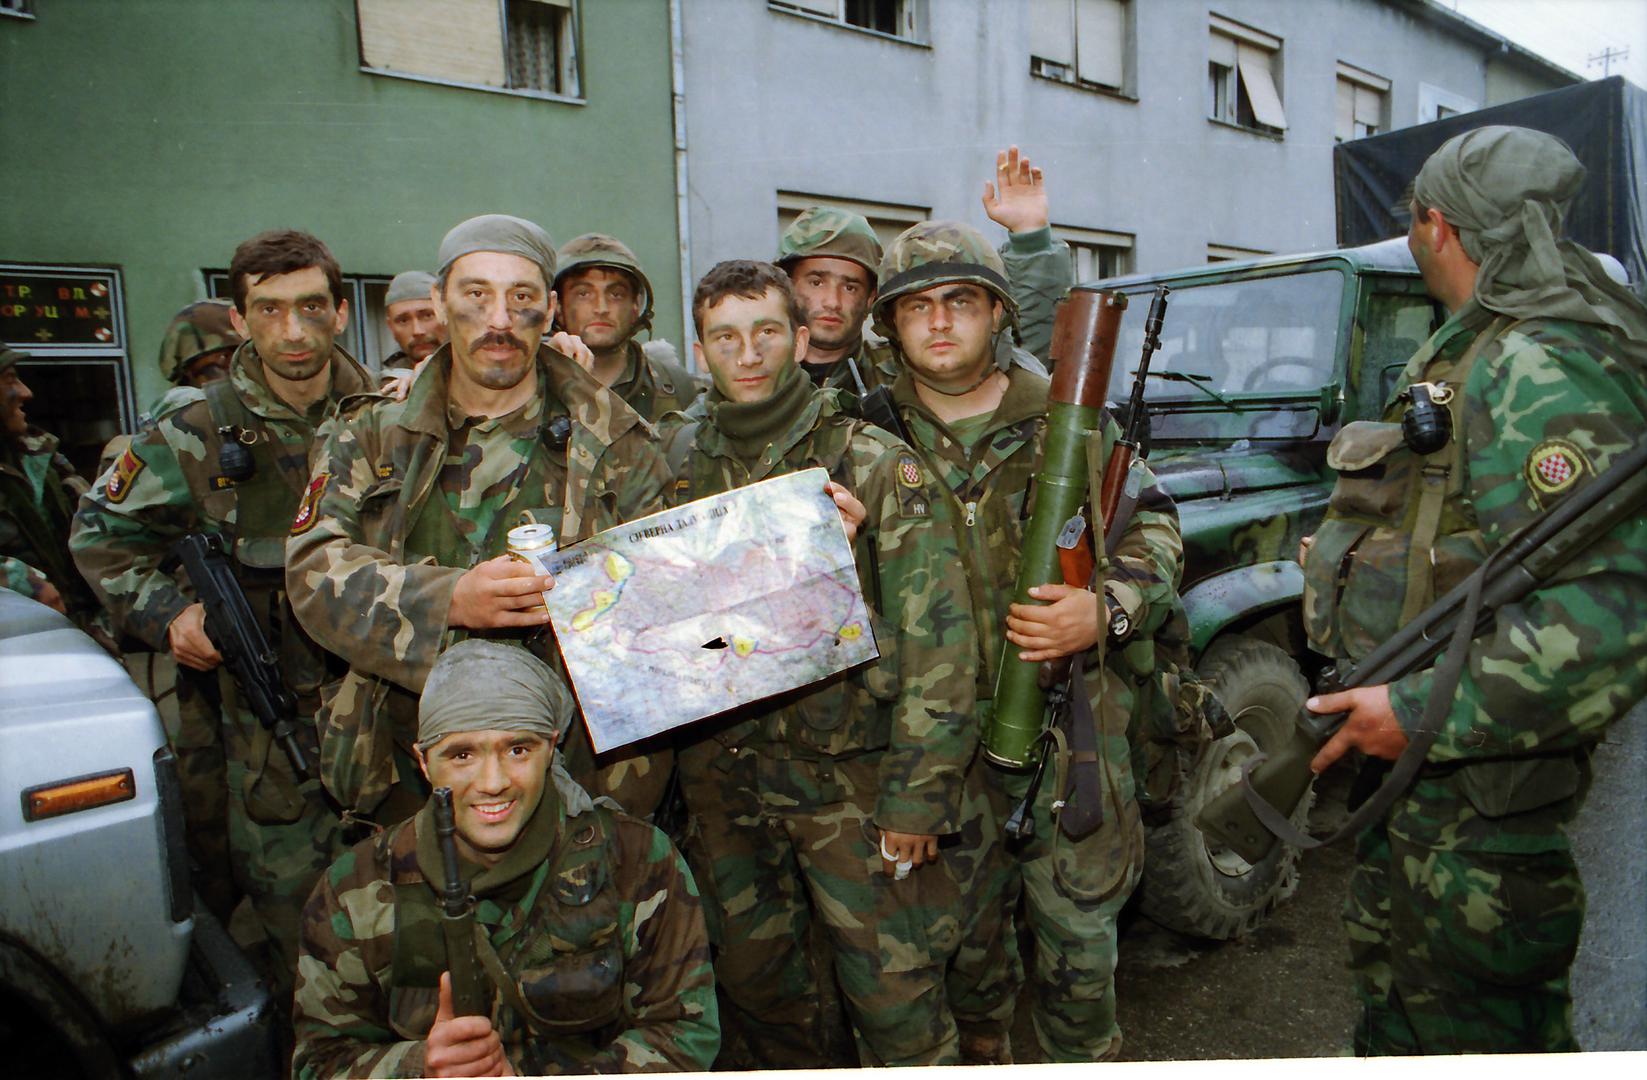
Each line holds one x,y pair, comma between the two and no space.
588,403
1471,317
1025,397
534,843
36,443
251,382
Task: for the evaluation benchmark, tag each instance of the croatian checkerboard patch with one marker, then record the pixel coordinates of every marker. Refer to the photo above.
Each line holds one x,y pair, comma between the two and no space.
120,479
1554,466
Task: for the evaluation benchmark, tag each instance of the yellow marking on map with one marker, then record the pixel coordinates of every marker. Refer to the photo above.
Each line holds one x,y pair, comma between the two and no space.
618,569
743,646
851,632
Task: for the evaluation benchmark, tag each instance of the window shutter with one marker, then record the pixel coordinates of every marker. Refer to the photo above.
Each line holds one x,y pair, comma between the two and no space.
1049,31
1343,123
1100,33
1221,49
1261,93
459,40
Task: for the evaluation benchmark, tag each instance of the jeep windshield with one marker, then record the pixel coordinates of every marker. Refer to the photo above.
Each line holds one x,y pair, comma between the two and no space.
1239,359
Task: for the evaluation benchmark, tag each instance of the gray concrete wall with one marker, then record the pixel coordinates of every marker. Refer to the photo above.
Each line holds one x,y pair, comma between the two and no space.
778,102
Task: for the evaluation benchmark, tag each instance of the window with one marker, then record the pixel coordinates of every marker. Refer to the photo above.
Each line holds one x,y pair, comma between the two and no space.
1096,254
1244,77
1363,104
887,219
904,19
22,9
366,337
1084,42
524,46
1435,103
1225,253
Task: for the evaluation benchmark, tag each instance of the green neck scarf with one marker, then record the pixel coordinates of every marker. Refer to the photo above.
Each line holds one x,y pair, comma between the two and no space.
752,426
512,872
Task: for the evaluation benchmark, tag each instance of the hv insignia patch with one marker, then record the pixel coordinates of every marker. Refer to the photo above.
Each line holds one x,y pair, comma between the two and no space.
912,501
1554,466
385,471
120,480
306,516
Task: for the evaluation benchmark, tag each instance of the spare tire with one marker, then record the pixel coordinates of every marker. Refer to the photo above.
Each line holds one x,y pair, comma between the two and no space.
1192,883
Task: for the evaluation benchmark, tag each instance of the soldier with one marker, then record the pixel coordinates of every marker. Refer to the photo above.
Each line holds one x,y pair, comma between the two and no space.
593,939
182,476
606,299
831,801
409,308
199,342
38,491
1465,909
833,257
399,545
979,427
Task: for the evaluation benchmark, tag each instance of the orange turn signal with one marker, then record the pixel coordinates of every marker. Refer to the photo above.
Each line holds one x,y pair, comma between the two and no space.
80,793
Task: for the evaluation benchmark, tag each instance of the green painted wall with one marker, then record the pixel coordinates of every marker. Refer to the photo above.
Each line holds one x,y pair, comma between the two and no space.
157,136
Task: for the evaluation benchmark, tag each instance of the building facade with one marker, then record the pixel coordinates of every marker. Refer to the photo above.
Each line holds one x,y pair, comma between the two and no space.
1172,131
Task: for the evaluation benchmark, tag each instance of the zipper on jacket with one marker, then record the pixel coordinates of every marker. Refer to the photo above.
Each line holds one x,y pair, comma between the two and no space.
971,513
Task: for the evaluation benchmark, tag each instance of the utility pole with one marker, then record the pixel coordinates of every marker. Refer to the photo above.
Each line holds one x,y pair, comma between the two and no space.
1606,57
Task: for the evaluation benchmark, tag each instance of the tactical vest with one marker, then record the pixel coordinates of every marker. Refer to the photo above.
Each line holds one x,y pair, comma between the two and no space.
558,973
1399,530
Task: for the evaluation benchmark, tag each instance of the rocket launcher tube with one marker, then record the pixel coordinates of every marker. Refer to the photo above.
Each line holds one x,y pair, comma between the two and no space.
457,917
1084,333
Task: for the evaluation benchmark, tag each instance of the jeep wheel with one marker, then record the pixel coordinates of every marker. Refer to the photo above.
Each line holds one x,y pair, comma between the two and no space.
1193,884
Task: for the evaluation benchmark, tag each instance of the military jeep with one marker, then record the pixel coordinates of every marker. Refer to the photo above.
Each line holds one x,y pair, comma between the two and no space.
1261,361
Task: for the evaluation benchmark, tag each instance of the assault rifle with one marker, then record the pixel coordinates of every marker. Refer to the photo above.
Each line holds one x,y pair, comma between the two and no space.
1251,814
457,916
237,635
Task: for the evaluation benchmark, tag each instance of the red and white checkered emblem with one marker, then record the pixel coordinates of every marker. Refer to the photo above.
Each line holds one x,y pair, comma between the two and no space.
909,473
1555,468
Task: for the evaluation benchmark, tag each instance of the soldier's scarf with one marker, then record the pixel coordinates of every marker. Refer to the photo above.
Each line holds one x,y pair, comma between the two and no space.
481,685
751,426
1508,190
499,232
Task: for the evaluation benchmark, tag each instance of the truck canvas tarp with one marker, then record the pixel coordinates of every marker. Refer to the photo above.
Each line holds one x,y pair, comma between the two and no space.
1605,123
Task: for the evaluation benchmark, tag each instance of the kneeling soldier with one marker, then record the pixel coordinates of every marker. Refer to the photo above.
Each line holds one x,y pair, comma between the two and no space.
593,950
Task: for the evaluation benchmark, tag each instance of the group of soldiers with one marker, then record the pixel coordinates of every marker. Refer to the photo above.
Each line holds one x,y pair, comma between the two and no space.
844,890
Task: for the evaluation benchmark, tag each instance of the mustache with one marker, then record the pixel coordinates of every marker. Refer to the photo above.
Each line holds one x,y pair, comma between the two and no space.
497,337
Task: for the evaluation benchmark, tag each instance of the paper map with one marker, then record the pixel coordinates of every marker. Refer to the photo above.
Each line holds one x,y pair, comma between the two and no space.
693,611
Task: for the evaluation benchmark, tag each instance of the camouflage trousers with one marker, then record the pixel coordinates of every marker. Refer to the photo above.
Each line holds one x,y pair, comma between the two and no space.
1463,929
635,777
282,835
987,972
775,843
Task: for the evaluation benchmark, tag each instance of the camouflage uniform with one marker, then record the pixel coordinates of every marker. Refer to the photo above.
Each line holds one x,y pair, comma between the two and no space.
1073,890
1465,911
603,939
653,381
1037,265
280,833
788,799
38,491
400,505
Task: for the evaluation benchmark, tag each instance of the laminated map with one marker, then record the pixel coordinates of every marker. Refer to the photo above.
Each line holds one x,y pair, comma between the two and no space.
693,611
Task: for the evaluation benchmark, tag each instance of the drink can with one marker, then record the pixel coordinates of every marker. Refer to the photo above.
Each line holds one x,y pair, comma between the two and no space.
533,544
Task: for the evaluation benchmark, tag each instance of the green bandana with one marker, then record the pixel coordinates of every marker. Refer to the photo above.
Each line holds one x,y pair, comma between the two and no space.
499,232
750,426
481,685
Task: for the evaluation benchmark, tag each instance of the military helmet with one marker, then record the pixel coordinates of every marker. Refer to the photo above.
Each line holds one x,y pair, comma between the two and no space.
202,327
932,253
598,249
832,233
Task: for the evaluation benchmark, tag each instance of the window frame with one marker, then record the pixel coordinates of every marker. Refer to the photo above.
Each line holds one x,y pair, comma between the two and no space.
916,14
1096,241
1359,79
365,338
575,35
24,10
1253,53
790,204
1127,88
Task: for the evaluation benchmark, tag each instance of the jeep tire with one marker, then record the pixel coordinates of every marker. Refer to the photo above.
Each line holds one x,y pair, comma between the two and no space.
1192,884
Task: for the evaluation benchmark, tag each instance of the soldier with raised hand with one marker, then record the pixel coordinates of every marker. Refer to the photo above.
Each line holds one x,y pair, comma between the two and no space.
833,256
1465,909
589,932
605,300
38,492
177,478
399,546
409,309
979,427
831,802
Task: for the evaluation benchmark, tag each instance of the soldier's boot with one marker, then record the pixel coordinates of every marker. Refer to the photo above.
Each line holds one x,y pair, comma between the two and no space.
980,1047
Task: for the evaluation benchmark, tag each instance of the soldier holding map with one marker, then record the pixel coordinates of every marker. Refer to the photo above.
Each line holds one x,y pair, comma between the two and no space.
833,798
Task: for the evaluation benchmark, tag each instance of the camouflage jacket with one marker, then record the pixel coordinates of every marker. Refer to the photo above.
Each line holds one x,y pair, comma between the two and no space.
167,482
988,497
914,704
606,943
38,492
655,382
366,596
1546,405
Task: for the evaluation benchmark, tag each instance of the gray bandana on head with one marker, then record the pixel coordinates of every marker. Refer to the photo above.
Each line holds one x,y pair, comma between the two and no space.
1508,190
499,232
410,285
480,685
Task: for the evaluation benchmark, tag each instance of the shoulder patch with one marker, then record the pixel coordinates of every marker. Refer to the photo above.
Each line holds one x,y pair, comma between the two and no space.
305,519
120,479
909,471
1554,466
912,500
